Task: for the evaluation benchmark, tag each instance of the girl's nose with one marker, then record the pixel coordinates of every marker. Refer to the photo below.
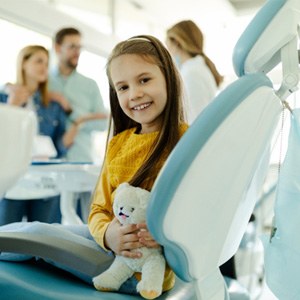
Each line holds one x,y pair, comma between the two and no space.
136,93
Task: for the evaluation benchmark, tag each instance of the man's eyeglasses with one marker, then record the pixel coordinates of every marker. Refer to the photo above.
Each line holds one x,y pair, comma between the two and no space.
73,47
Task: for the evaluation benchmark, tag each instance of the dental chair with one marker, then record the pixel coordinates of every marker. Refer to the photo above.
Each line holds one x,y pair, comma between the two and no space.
203,197
17,129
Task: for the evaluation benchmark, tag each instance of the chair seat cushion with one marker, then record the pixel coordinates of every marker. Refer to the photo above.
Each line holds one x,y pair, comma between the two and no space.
35,280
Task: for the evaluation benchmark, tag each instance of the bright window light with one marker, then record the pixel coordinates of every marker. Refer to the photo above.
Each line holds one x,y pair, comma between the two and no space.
19,37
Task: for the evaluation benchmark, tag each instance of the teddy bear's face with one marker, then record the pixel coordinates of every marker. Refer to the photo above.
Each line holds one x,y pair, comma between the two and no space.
130,204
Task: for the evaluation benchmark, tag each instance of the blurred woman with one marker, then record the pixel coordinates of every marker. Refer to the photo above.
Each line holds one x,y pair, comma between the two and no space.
199,74
30,91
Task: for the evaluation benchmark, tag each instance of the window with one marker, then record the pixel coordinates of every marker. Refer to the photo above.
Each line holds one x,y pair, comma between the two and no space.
19,37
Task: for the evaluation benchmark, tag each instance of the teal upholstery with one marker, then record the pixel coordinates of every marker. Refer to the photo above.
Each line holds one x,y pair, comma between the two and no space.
251,35
38,280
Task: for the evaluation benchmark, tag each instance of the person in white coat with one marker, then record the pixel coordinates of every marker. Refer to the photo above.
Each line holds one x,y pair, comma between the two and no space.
201,81
199,74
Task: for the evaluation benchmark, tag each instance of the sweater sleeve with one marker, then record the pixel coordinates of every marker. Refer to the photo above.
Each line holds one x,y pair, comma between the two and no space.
101,213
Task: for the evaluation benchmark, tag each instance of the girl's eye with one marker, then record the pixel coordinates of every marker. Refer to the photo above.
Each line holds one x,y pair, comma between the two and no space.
122,88
145,80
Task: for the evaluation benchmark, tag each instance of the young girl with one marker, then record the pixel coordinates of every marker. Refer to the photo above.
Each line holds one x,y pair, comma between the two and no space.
147,121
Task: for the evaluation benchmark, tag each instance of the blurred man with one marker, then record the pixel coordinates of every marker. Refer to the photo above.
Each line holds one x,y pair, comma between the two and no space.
78,94
81,99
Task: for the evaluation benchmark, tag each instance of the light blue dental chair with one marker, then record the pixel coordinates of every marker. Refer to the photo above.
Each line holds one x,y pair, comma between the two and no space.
203,198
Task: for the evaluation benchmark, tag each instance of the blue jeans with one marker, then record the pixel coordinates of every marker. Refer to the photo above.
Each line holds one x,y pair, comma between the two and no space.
43,210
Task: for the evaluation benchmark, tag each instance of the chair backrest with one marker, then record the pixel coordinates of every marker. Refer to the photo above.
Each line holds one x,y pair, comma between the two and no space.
205,194
17,129
203,198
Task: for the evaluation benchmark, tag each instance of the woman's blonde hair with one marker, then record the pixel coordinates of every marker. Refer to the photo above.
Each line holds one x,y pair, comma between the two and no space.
23,56
188,36
153,51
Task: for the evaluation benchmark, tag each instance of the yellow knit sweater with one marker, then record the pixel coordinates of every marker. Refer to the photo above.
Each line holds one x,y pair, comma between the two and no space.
125,154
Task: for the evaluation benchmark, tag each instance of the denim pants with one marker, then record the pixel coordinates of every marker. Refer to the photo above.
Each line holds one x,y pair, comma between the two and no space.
43,210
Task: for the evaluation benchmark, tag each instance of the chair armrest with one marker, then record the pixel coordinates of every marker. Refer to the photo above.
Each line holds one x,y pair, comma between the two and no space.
72,255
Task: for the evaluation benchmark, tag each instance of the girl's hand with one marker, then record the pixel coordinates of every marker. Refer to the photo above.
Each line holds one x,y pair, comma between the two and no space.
145,237
122,240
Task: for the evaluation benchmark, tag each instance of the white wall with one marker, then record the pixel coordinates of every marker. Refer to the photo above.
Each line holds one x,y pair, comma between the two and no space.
45,19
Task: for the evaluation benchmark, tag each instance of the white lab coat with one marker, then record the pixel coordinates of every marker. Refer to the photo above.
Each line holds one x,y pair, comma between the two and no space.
199,86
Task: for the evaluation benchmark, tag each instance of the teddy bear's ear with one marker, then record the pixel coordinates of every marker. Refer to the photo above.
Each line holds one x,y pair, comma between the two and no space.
144,197
122,186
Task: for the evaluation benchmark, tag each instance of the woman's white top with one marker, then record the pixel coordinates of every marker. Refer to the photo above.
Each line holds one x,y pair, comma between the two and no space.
199,86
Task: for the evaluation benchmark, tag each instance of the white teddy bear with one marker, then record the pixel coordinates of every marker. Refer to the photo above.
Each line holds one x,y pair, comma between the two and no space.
129,207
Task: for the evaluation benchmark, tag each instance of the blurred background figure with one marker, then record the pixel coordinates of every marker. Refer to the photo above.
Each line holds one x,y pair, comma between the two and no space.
81,98
30,91
200,77
78,94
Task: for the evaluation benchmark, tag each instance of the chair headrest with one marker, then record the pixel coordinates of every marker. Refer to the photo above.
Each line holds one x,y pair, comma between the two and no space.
275,25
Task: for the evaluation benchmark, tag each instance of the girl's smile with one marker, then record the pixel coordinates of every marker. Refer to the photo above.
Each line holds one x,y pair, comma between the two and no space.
142,106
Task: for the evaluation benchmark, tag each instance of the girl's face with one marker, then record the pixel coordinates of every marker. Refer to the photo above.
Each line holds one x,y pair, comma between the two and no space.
141,90
36,67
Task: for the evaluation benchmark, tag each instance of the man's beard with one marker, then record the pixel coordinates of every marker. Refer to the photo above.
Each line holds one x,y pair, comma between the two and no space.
71,65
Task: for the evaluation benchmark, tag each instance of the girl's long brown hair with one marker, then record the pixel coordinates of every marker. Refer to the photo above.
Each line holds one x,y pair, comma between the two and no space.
187,35
153,51
24,55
